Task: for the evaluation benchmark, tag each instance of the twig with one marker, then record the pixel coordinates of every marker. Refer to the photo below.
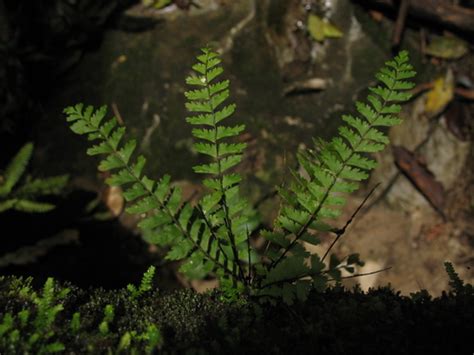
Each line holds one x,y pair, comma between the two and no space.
362,274
228,42
400,23
248,251
117,114
384,193
464,93
341,231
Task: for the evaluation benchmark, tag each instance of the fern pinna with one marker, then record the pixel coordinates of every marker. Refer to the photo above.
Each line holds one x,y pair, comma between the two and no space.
214,235
334,168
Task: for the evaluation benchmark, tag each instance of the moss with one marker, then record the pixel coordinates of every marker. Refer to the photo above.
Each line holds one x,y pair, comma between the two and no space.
335,321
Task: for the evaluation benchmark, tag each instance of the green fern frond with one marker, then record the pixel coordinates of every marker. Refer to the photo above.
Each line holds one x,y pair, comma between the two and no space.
23,197
334,167
223,209
47,309
15,169
47,186
167,220
145,285
30,206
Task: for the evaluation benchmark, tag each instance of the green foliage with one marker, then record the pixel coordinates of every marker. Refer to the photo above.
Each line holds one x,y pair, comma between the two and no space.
23,197
28,331
153,338
331,322
109,315
211,236
75,323
145,285
30,324
334,168
214,235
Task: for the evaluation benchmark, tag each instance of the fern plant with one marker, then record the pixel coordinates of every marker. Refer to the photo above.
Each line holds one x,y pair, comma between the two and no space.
145,285
213,236
23,197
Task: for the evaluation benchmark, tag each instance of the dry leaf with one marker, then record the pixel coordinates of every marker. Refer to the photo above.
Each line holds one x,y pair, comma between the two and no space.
420,176
440,95
114,200
447,47
320,29
308,85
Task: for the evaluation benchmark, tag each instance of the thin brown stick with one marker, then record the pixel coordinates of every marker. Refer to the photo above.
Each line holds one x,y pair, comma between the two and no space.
117,114
465,93
400,23
363,274
341,231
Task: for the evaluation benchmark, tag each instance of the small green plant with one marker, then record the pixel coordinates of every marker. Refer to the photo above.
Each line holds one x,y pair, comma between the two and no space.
24,197
28,331
75,322
109,314
149,341
145,285
214,235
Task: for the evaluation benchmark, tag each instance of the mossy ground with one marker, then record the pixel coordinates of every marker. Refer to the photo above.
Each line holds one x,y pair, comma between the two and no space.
335,321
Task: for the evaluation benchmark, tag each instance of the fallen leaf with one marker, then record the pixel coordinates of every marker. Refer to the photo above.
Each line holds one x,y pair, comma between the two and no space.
420,176
114,200
377,16
440,95
447,47
320,29
308,85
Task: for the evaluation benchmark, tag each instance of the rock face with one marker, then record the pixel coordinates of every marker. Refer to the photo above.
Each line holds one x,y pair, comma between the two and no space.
266,50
